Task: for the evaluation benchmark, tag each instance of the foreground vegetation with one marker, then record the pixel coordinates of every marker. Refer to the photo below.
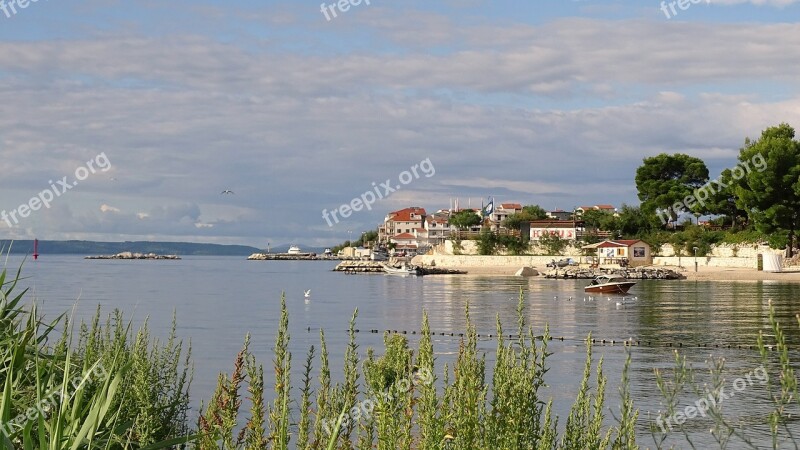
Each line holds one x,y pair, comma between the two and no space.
101,385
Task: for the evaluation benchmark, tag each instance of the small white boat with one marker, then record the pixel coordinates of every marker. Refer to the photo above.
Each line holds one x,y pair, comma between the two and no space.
403,270
294,250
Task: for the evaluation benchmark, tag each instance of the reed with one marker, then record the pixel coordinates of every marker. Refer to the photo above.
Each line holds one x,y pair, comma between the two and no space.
99,386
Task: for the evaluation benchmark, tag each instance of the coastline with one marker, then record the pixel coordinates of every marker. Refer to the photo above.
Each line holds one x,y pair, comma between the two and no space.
507,267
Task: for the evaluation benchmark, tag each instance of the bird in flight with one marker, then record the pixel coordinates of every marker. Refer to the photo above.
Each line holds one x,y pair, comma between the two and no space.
308,293
227,191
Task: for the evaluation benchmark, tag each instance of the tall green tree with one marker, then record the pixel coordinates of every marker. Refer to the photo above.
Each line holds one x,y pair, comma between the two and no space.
719,197
465,219
530,212
771,196
535,212
631,221
664,183
599,220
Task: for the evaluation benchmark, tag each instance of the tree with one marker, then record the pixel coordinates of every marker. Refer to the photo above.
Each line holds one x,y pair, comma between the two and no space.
465,219
535,212
665,181
599,220
768,187
528,213
632,222
721,199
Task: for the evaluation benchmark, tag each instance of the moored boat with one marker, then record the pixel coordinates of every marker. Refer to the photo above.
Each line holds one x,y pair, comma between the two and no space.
610,284
403,270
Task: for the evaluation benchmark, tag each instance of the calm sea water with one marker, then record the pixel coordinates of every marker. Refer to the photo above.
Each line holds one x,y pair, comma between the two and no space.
218,300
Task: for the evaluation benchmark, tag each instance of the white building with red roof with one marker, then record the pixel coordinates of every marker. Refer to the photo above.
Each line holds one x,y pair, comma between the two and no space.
501,212
634,252
402,221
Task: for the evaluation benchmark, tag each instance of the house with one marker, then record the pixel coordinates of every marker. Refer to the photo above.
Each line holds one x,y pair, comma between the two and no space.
632,252
437,226
501,212
559,214
402,221
405,243
565,229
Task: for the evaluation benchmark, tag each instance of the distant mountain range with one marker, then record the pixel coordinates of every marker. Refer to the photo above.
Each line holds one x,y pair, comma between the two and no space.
112,248
90,248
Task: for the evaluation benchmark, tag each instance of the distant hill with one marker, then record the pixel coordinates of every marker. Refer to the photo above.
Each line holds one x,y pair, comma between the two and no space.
111,248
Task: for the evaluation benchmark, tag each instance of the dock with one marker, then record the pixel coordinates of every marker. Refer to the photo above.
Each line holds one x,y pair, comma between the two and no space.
289,257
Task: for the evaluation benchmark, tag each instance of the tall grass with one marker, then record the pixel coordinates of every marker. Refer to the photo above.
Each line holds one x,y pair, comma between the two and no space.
98,387
396,400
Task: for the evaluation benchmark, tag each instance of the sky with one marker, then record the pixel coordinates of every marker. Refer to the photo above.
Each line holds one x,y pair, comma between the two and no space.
126,120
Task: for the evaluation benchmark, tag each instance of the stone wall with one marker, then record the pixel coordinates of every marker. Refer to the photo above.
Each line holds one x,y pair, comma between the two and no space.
471,248
710,261
482,261
728,250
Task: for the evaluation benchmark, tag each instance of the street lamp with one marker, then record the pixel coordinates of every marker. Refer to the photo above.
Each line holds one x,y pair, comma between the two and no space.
695,259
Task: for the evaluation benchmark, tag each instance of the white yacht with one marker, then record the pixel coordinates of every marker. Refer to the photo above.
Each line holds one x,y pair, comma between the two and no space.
294,250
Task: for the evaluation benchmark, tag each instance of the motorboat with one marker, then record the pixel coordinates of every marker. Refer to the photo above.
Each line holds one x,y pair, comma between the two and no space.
379,255
403,270
294,250
611,284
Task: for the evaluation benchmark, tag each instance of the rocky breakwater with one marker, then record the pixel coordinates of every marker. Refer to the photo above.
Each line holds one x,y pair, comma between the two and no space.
353,267
131,255
285,257
634,273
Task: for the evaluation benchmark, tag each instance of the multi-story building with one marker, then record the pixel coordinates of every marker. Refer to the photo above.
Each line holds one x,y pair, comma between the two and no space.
559,214
437,226
501,212
399,222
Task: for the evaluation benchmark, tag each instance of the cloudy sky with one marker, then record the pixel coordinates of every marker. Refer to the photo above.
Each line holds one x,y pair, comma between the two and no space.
296,110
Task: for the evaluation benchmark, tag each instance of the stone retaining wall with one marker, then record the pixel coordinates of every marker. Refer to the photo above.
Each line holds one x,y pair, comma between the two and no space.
710,261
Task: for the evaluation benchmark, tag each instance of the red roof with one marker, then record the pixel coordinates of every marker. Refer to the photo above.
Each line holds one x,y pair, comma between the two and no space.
619,243
605,207
421,229
404,215
404,236
510,206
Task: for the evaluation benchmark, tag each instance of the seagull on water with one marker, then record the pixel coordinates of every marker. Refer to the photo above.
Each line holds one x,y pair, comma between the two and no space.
227,191
308,293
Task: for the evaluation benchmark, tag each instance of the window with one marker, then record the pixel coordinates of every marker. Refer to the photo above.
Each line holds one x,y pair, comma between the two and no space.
638,252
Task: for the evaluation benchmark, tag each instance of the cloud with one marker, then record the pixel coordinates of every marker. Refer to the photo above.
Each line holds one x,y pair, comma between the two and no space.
558,112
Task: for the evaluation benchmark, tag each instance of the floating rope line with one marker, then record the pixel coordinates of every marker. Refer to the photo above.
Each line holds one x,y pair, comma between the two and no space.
630,342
